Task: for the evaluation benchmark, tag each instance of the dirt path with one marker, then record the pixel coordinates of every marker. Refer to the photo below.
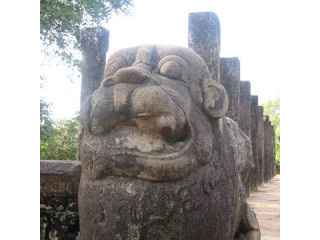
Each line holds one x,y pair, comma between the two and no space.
266,204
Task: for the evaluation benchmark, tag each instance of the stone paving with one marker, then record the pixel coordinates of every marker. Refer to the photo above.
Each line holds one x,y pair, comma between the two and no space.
266,204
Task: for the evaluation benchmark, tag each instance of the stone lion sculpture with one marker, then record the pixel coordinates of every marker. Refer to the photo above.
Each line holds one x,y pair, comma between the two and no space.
159,159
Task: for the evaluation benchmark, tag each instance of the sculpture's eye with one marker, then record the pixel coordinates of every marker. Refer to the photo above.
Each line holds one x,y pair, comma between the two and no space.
114,65
173,67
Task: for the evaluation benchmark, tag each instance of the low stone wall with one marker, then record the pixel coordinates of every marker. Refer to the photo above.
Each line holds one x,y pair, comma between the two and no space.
59,183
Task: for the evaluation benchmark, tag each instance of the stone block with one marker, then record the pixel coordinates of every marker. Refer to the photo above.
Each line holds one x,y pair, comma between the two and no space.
230,79
59,178
204,39
260,137
245,107
254,139
267,138
59,183
94,46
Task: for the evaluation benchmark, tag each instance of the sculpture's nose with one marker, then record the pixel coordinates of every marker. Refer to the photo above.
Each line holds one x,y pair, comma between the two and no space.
134,75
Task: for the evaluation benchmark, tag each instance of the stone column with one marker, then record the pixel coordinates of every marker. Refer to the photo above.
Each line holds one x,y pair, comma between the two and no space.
254,140
230,79
270,153
273,153
204,39
245,107
260,136
94,45
266,148
245,125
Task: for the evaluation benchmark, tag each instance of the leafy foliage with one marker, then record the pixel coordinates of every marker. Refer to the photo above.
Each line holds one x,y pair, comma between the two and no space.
66,138
46,130
58,140
60,22
272,109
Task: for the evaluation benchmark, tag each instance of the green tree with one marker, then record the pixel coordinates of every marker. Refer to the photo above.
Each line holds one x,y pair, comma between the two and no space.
58,140
47,132
272,109
66,138
60,22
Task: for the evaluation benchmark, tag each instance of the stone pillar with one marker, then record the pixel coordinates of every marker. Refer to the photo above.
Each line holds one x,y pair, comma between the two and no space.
245,125
94,46
245,107
204,39
260,136
266,148
230,79
254,140
273,153
270,153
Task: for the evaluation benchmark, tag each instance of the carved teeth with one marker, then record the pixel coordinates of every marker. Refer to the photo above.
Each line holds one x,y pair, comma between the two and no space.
143,115
166,125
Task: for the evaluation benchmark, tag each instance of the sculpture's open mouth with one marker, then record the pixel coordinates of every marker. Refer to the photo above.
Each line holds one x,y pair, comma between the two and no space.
144,121
147,132
143,137
130,149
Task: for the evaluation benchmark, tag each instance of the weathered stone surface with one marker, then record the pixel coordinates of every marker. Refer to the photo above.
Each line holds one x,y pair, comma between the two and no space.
247,163
94,45
204,39
267,147
260,136
57,219
245,125
245,107
159,159
230,79
277,168
59,178
254,139
59,183
273,153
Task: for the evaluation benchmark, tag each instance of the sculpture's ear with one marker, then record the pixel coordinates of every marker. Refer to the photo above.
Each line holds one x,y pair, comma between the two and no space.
215,98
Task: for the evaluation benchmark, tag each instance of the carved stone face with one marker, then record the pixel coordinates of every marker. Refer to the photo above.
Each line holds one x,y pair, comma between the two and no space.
151,116
156,158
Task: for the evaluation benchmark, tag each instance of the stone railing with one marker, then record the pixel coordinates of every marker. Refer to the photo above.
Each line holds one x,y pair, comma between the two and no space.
59,183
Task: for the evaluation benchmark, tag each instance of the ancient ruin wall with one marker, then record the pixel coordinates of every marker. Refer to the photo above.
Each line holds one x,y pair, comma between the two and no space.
59,184
245,107
254,139
230,79
273,153
267,138
94,45
260,138
60,179
204,39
